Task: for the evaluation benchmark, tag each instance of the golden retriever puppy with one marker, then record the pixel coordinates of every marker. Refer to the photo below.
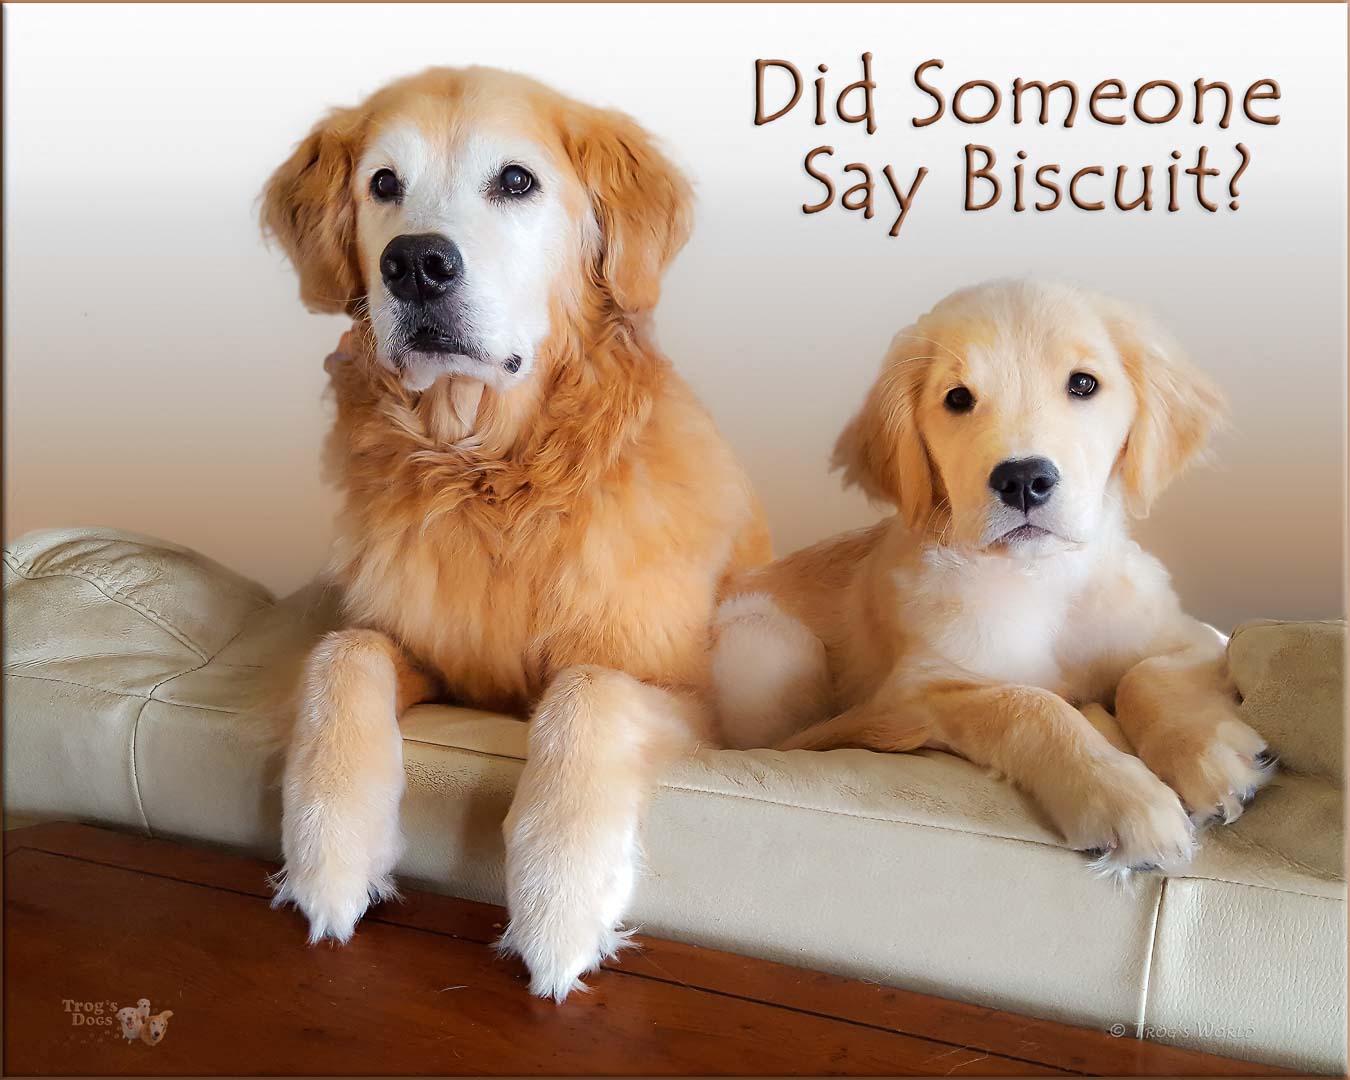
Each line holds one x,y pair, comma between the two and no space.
1015,428
538,516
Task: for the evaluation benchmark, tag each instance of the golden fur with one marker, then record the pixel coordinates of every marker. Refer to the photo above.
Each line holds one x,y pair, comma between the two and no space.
931,629
563,538
615,501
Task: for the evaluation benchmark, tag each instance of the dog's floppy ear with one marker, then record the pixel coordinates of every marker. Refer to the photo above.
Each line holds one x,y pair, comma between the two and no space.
881,450
642,204
1178,406
308,207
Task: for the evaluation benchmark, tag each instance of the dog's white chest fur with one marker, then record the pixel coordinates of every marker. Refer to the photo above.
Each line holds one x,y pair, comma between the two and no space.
998,618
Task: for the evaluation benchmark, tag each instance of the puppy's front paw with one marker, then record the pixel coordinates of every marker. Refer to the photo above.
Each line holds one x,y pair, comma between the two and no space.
566,894
1121,810
1214,761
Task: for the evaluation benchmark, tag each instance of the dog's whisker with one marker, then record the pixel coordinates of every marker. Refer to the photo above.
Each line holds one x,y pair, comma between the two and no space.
951,353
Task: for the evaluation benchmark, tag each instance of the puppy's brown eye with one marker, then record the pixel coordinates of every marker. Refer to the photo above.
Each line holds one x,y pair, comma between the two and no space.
959,400
1081,384
515,181
385,186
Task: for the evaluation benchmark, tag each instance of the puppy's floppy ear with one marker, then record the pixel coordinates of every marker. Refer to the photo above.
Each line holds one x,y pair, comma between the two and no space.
308,207
882,450
642,204
1178,406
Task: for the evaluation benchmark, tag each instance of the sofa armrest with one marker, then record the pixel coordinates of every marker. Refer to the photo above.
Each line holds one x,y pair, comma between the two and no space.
98,623
1292,679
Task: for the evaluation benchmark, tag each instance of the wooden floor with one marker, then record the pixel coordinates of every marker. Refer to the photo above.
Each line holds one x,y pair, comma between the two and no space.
95,920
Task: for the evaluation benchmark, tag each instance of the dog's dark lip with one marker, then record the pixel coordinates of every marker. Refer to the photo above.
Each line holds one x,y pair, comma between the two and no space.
1023,532
436,344
430,342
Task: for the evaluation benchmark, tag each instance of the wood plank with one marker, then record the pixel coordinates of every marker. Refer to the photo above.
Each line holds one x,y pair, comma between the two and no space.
960,1030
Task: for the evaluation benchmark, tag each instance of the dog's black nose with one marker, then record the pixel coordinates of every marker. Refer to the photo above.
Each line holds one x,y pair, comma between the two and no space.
1024,482
420,267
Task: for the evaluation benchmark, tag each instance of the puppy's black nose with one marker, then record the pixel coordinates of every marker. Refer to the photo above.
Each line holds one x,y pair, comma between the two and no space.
420,267
1024,482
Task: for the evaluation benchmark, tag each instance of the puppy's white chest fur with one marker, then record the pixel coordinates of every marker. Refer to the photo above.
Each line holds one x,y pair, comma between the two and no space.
996,617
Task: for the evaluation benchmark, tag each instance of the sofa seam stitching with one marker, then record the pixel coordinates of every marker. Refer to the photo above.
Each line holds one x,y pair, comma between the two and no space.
12,674
135,736
145,700
170,678
202,708
235,581
1268,888
1151,959
1296,864
117,596
135,769
136,726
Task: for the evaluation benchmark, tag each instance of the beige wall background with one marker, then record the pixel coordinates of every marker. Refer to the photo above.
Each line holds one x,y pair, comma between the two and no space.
161,375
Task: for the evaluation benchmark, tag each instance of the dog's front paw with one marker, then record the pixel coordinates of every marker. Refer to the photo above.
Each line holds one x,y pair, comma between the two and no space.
1121,811
560,942
332,899
566,892
339,857
1214,761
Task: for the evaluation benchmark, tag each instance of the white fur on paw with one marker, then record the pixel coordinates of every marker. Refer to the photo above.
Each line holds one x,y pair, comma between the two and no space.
1128,815
341,789
566,891
339,857
556,961
334,903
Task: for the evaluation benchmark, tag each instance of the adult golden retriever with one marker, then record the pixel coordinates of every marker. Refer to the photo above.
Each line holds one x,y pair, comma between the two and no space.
1015,428
538,516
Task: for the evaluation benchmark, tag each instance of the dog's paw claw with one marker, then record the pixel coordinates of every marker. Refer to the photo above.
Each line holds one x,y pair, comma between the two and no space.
1267,759
1223,776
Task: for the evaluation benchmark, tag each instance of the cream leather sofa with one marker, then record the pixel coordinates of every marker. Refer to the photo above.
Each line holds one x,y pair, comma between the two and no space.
133,668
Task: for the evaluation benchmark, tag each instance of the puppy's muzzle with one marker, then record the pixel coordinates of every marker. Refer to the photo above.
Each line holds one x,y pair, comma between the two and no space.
1023,483
420,268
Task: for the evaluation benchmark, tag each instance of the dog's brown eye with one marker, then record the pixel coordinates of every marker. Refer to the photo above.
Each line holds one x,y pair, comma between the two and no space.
515,181
959,400
385,186
1081,384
